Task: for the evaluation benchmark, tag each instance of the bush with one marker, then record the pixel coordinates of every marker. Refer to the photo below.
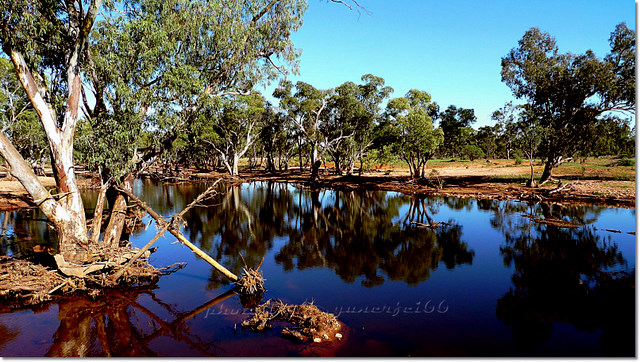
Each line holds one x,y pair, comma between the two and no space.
518,159
623,162
435,179
472,152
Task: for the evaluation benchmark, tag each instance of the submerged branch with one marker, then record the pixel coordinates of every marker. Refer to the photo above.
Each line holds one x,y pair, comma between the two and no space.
174,227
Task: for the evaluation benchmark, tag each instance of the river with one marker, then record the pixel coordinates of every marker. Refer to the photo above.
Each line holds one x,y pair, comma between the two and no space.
489,281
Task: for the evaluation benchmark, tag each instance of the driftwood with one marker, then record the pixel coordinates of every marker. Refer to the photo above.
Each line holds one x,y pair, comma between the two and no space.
174,221
560,188
142,251
174,229
81,271
553,221
431,225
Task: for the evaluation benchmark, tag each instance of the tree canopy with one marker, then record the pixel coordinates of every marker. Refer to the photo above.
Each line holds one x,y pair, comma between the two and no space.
569,92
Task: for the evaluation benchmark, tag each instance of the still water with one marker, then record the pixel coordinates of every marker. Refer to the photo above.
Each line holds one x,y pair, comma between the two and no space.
489,282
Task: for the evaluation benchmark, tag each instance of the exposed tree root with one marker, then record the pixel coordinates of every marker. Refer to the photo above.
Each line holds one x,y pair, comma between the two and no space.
308,323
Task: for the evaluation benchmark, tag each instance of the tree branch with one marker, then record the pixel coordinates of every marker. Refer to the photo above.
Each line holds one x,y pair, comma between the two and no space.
33,93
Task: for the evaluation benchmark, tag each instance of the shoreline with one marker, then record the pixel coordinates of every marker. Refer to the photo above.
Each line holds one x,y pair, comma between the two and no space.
457,183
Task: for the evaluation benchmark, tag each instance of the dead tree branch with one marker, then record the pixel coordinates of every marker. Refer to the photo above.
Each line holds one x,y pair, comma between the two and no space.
174,227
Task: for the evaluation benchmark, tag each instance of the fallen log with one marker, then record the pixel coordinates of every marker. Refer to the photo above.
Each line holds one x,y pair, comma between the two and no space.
83,270
174,229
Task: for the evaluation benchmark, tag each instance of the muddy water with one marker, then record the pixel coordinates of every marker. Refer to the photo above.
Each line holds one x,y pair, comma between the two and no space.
489,281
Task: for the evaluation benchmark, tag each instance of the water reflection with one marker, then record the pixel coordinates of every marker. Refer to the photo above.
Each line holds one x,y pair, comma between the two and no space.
27,234
117,324
357,234
571,276
538,280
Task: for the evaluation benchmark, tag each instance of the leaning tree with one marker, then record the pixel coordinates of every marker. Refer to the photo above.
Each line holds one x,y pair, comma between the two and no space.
568,93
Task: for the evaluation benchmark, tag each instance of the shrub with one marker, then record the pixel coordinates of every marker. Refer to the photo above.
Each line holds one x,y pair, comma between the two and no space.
518,159
435,179
472,152
623,162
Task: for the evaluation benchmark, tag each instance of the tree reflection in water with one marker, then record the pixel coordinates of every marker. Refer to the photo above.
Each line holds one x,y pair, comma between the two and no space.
115,324
572,276
356,234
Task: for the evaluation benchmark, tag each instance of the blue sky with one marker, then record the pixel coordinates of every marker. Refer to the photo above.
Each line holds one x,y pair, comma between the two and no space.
449,48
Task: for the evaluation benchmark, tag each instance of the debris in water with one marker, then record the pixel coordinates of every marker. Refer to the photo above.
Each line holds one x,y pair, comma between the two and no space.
25,283
308,322
251,281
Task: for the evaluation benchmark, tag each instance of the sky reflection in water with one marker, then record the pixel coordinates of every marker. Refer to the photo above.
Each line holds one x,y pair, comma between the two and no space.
488,282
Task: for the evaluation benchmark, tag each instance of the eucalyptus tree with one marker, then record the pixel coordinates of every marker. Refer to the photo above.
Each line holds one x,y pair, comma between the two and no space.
355,110
416,138
276,139
234,127
455,123
346,116
18,119
307,108
529,134
46,43
186,62
148,63
487,139
615,137
569,92
505,117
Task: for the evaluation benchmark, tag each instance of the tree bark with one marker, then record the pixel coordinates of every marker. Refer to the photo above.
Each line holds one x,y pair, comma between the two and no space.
532,182
548,167
70,237
118,215
234,169
96,225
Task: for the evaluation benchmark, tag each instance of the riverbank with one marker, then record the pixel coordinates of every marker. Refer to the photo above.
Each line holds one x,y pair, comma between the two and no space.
475,180
456,183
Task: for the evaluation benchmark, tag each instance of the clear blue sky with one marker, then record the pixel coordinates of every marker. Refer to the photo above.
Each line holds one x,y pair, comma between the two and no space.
449,48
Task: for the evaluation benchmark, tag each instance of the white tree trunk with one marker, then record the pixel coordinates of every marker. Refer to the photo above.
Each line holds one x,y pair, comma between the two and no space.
234,170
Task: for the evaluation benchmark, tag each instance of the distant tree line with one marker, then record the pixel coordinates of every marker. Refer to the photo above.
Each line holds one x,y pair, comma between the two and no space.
576,106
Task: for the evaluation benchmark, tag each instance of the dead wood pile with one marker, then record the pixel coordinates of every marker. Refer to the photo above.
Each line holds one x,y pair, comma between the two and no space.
308,323
25,283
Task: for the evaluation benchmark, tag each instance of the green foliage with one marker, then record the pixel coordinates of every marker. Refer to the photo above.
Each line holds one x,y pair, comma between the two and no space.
472,152
276,140
231,127
159,66
354,110
44,32
568,92
456,126
18,119
518,159
506,118
487,139
411,125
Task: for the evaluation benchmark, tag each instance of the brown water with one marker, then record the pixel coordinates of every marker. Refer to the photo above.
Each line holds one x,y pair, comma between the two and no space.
489,282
